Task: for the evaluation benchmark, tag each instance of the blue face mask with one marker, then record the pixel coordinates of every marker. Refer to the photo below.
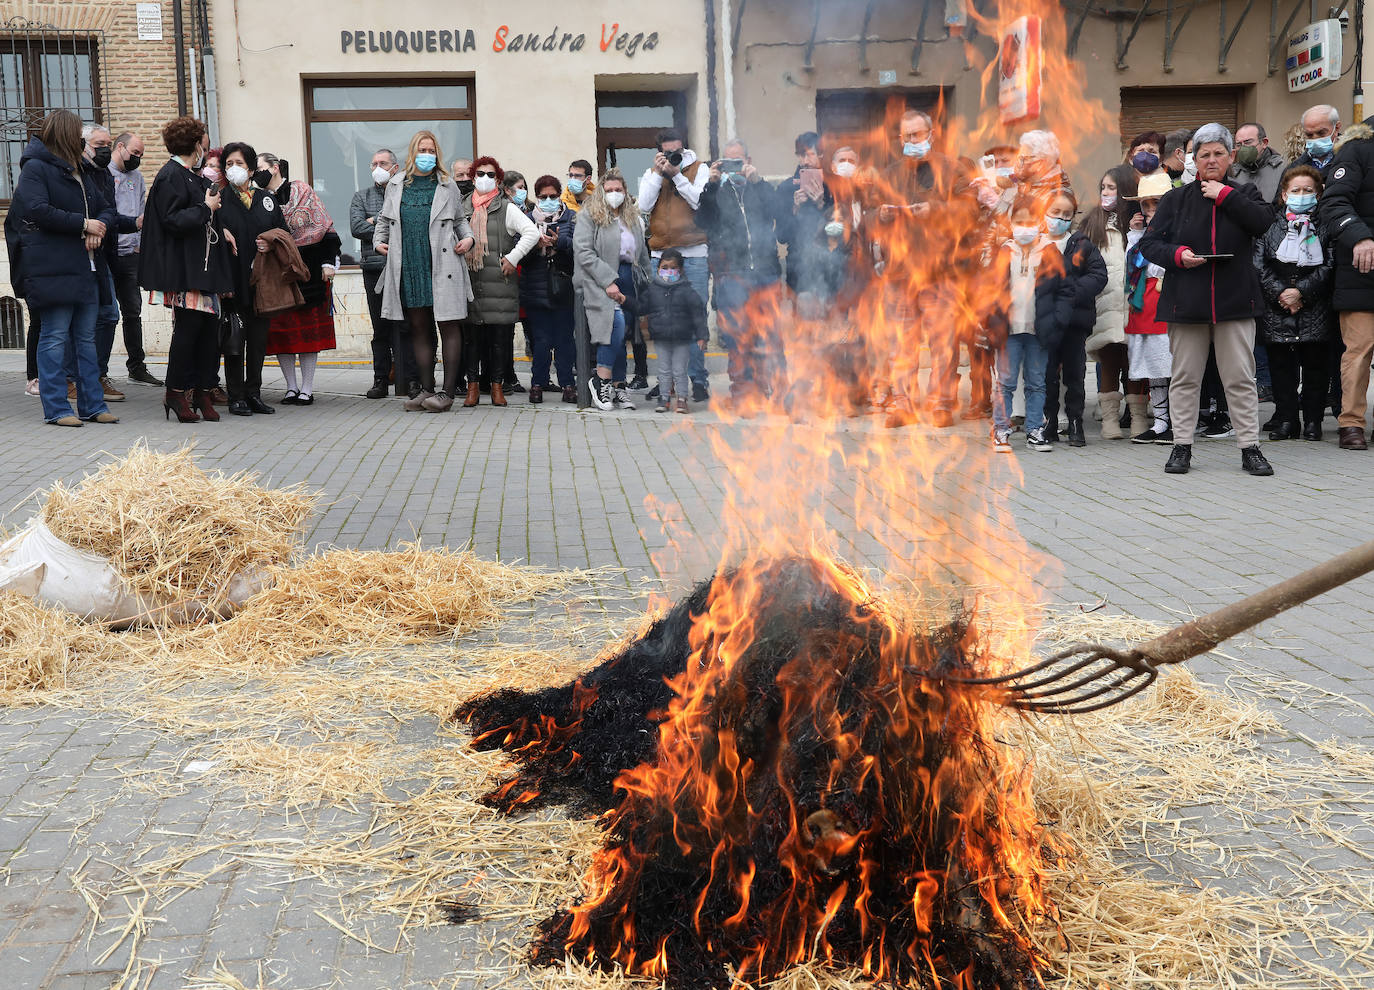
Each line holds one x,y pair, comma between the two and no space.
575,186
917,150
1057,226
1301,202
519,196
549,204
669,275
425,162
1319,147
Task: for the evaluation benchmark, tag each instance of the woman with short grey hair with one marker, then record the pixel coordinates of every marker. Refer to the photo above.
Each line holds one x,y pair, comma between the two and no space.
1203,236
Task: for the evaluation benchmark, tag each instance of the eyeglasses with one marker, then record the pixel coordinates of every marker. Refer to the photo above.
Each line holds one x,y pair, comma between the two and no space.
489,175
576,175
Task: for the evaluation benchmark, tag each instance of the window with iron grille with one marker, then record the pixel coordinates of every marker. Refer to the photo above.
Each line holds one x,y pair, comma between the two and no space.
43,68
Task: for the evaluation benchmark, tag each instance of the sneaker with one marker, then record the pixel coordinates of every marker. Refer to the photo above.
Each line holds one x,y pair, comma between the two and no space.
1180,459
1001,441
514,388
682,406
1035,440
1166,438
142,376
1266,393
112,394
603,394
638,384
32,387
1219,428
653,393
1253,462
662,406
621,398
700,393
1151,435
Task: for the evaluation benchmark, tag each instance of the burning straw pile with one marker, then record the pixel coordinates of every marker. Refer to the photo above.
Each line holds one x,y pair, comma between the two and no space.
804,785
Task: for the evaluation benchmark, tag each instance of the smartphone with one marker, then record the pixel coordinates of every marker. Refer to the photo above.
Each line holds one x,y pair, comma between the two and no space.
732,164
811,182
988,166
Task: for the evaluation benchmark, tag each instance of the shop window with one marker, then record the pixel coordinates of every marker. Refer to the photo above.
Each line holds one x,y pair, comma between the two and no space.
42,69
347,121
627,126
868,120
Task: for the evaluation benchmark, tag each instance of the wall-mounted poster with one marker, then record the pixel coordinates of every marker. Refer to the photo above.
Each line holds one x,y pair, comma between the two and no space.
1019,70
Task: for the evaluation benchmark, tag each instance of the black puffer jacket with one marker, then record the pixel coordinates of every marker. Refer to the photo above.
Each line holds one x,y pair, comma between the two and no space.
1315,321
1085,275
1054,297
1215,291
1346,211
675,312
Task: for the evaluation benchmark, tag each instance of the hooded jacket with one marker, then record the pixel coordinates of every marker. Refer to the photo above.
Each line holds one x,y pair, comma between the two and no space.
49,262
740,223
1215,291
277,273
675,312
1315,321
1346,212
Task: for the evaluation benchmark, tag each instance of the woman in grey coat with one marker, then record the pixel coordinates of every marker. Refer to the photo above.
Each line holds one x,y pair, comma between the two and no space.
609,259
423,234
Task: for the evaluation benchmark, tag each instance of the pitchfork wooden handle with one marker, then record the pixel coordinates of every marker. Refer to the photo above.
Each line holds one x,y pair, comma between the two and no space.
1206,632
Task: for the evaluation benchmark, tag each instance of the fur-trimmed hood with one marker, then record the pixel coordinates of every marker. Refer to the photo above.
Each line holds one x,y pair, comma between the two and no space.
1357,132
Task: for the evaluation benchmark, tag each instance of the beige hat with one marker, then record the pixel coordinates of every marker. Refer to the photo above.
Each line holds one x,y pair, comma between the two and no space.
1152,186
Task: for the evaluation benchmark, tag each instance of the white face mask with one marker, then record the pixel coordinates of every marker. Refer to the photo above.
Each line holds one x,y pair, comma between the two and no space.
834,229
846,170
484,183
380,175
615,199
237,175
1024,235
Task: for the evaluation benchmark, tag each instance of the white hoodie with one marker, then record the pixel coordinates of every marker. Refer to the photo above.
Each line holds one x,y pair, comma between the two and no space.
652,183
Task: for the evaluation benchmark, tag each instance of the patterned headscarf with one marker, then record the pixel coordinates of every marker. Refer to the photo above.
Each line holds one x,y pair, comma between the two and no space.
306,217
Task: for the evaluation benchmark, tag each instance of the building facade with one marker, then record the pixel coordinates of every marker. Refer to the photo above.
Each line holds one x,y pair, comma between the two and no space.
536,84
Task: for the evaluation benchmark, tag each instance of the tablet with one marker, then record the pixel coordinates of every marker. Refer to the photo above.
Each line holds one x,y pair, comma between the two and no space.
1216,257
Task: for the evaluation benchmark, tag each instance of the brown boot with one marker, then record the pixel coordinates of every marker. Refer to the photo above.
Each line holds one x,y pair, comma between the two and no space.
474,395
498,394
175,402
205,406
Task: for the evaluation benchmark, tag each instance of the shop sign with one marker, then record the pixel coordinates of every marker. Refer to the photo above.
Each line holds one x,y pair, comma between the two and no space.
1019,71
149,21
504,39
1314,56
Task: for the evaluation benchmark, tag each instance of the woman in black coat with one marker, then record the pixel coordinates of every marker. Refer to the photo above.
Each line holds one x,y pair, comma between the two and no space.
1295,271
61,220
247,212
1085,275
185,263
546,294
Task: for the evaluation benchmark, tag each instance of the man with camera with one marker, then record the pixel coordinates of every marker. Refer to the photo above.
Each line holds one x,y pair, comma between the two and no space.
669,195
738,211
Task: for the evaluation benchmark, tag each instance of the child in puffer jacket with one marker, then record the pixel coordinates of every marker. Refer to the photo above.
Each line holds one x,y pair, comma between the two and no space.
674,317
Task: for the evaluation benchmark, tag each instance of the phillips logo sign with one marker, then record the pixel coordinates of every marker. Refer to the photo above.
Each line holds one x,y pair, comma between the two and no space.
1314,56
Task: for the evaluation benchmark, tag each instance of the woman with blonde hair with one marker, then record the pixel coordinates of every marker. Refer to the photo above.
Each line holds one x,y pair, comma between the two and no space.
609,257
422,232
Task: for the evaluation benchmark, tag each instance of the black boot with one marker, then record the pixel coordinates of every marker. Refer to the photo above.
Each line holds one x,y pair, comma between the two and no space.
1075,435
378,390
1253,462
1180,460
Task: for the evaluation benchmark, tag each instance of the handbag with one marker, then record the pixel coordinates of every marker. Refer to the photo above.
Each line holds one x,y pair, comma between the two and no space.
560,285
231,334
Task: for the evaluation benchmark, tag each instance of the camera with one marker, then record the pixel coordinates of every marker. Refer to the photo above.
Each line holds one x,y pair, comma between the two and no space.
674,158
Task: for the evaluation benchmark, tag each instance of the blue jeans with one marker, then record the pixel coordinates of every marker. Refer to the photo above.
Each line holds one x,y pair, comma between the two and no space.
1025,357
551,330
106,321
697,271
1262,376
69,329
606,354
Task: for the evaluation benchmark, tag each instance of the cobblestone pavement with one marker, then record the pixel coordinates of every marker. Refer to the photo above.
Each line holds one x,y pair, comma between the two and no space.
559,488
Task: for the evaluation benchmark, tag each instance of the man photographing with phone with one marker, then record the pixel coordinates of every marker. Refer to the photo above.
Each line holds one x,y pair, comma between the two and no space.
669,195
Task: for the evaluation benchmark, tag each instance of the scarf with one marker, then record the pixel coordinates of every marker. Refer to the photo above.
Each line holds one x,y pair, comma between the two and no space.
245,194
477,257
543,221
305,215
1300,245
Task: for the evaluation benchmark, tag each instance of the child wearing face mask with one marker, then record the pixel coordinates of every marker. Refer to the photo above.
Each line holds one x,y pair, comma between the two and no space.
1149,361
1296,271
674,317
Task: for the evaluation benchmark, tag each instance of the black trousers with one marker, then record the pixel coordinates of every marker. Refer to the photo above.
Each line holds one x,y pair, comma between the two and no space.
484,349
130,298
193,356
243,372
1288,363
1070,357
391,349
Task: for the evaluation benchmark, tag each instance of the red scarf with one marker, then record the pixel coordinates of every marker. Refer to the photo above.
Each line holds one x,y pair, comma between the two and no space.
480,202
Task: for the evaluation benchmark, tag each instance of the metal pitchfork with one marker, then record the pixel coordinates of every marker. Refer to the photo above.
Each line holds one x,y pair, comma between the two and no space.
1086,677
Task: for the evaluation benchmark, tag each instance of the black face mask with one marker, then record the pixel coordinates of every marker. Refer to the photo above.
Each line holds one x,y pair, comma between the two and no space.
465,186
262,177
101,157
132,162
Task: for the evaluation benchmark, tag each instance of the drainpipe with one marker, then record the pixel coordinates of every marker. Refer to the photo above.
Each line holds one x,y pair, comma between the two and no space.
195,86
211,98
179,31
712,111
728,60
